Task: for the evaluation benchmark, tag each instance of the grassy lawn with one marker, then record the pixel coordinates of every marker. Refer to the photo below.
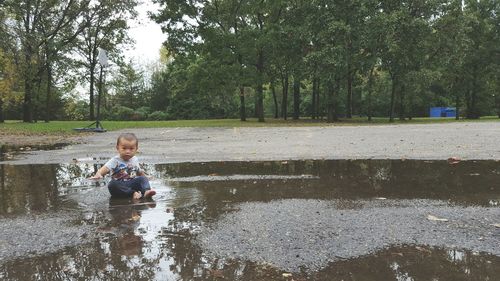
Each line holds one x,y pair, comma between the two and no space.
66,127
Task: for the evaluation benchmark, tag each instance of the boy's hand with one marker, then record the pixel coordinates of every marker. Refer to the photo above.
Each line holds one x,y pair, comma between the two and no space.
96,177
137,195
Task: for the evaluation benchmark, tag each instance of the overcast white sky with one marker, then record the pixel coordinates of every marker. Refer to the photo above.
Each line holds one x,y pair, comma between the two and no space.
147,35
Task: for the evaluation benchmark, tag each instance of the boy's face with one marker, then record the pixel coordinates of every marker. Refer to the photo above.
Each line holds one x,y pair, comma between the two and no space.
127,148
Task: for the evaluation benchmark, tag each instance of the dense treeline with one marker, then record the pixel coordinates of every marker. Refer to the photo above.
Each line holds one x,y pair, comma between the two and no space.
328,59
48,47
239,58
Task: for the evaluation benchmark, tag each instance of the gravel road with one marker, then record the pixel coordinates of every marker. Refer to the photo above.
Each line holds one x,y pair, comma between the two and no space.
293,233
468,140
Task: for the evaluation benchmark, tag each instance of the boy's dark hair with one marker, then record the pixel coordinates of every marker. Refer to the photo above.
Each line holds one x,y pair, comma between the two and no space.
129,137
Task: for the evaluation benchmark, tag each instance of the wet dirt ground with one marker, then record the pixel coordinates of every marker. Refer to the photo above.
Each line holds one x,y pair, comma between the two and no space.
256,220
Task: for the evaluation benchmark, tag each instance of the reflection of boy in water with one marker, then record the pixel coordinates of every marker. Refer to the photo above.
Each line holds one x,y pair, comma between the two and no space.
126,218
128,179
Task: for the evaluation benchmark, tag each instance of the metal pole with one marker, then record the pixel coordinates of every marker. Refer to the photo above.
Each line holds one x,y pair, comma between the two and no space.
98,123
103,62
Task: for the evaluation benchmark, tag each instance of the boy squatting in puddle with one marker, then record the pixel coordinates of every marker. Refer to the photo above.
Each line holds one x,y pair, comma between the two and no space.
128,179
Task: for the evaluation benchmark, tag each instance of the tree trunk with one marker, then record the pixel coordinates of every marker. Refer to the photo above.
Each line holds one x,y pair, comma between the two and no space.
256,103
472,111
49,90
2,117
471,104
410,107
454,89
370,89
349,94
28,89
331,112
313,103
401,103
36,104
296,98
260,95
497,103
28,77
284,100
467,103
275,99
2,186
393,93
318,92
349,53
260,103
243,115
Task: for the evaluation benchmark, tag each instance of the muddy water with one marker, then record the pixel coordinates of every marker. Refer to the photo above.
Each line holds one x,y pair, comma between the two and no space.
56,225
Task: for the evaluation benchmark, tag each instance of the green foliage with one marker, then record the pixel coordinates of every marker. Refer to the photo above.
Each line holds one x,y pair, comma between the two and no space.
351,58
419,50
122,113
129,87
157,116
75,109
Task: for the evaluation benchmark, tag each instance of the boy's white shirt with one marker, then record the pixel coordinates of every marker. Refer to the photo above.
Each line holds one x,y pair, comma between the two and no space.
123,170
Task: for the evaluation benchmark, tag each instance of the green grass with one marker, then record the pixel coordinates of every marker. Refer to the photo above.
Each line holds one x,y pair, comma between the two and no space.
66,127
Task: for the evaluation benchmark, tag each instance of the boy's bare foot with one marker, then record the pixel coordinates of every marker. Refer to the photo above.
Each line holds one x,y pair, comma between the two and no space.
137,195
149,193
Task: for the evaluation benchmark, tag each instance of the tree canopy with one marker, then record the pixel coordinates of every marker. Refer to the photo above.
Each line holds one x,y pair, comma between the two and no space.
324,59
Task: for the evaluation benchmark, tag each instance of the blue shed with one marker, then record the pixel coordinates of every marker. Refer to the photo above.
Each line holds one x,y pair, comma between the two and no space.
443,112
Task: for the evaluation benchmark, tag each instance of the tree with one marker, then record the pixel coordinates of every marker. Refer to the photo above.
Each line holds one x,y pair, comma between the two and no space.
8,73
54,48
106,26
407,33
328,50
129,87
29,17
450,41
420,52
481,18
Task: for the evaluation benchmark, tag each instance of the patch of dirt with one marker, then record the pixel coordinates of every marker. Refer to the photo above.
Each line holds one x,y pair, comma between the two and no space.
15,142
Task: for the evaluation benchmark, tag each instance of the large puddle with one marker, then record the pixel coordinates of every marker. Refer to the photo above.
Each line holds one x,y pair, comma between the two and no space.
274,220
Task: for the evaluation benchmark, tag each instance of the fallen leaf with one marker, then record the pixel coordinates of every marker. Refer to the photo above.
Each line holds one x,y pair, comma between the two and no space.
423,249
454,160
134,218
433,218
216,273
286,275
